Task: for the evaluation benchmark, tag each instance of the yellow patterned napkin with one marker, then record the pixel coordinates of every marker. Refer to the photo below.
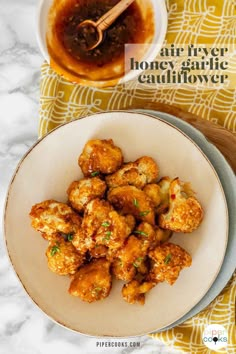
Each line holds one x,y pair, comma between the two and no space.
190,22
187,337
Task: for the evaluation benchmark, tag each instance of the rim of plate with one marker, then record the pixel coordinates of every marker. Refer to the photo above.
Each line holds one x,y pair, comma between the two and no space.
92,117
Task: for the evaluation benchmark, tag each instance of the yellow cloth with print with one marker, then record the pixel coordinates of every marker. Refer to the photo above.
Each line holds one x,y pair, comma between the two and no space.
189,22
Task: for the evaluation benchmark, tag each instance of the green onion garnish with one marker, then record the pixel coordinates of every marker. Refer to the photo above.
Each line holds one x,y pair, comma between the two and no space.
108,236
97,290
106,224
70,237
95,173
141,233
55,249
144,213
168,259
135,202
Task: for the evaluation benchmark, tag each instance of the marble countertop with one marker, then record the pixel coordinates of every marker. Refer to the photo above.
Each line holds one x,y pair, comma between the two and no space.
24,329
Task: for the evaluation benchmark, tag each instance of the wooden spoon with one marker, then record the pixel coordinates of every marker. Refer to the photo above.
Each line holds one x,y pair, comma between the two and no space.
105,21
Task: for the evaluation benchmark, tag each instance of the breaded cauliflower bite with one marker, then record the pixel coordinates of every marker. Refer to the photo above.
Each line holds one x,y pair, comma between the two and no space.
148,234
93,281
131,200
129,258
138,173
123,271
100,157
151,235
168,261
50,217
185,212
102,225
153,192
63,258
134,291
80,193
96,213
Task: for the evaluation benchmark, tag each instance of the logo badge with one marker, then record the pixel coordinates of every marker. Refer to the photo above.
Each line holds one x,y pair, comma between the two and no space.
215,337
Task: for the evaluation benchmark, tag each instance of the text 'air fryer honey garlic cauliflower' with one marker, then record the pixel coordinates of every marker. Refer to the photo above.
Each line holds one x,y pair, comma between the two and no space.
117,222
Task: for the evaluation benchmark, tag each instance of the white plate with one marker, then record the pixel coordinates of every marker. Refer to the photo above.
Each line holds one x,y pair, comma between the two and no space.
46,171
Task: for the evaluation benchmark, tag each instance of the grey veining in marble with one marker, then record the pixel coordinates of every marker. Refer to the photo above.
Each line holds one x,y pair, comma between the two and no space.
24,329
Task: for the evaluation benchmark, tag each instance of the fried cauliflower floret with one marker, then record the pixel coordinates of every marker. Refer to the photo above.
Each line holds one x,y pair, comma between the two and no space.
100,157
114,231
153,192
131,200
80,193
62,257
148,234
185,212
168,261
138,173
92,282
102,225
123,271
96,213
151,235
51,217
134,292
129,258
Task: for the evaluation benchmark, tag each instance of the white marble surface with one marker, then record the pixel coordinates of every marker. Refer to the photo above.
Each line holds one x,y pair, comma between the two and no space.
24,329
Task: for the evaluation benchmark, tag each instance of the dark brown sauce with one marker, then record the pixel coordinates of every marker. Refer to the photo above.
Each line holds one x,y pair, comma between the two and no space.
128,28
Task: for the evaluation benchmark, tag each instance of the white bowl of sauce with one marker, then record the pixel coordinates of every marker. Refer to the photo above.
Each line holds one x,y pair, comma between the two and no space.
144,22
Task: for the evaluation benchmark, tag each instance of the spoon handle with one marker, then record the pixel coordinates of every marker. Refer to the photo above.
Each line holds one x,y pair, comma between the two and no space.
109,17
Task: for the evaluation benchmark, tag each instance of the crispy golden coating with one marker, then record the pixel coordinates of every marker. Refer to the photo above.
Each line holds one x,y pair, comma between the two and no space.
154,193
123,271
92,282
134,292
138,173
131,200
185,212
133,251
129,258
58,236
99,251
96,213
50,217
148,234
114,231
163,235
52,237
80,193
169,259
62,257
100,157
102,225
